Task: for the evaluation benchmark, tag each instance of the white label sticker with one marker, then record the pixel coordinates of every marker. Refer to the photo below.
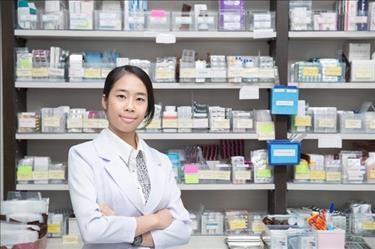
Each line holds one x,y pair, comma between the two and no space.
137,19
206,19
249,92
49,18
200,123
184,20
59,72
284,153
284,103
27,122
330,141
164,38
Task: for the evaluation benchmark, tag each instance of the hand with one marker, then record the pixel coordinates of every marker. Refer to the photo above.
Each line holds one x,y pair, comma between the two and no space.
106,211
164,218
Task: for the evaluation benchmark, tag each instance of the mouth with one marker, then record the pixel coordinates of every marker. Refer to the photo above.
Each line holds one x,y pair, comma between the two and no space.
127,119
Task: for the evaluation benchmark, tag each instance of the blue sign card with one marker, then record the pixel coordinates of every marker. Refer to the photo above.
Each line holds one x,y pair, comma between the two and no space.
283,152
284,100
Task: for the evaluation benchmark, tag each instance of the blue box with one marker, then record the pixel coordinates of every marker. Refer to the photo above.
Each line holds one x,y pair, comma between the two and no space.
283,152
284,100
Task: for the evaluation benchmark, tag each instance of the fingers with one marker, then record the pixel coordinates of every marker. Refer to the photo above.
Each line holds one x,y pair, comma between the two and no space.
105,210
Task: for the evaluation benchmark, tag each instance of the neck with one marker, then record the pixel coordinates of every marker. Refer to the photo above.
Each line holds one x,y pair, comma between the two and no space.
129,138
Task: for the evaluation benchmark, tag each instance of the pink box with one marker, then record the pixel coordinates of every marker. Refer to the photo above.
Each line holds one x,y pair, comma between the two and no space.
190,168
334,239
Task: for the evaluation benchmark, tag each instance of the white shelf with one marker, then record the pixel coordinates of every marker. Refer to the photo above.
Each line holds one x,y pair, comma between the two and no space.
227,186
186,187
360,136
43,187
146,35
100,85
332,35
331,187
343,85
146,136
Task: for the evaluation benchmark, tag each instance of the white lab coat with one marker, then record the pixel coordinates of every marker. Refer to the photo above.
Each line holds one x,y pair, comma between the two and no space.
97,174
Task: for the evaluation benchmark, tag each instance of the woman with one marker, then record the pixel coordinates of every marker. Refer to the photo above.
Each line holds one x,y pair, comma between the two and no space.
123,192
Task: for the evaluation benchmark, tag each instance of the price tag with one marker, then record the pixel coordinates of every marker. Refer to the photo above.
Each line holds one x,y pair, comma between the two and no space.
40,175
327,123
27,122
24,72
223,175
242,175
207,175
73,123
169,123
56,174
54,228
333,71
92,73
51,122
187,73
310,72
243,123
40,72
330,141
237,224
302,121
218,124
353,124
57,72
317,175
333,176
185,123
165,38
368,225
249,92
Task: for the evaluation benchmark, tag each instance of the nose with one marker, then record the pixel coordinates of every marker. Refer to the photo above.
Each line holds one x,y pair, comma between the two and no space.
129,105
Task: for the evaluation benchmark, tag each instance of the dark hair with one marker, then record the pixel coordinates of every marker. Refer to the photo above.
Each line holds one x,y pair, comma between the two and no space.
118,72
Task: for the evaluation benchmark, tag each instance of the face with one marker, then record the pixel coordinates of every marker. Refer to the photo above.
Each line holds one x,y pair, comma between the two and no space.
126,104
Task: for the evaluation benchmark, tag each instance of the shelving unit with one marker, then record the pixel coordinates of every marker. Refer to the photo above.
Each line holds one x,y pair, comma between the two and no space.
344,136
343,85
146,35
183,187
171,86
143,135
353,35
331,187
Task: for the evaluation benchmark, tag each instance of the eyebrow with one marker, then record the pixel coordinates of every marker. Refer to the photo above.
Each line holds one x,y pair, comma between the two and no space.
126,91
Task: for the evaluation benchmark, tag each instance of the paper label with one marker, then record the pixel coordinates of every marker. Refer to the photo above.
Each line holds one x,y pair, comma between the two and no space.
263,173
200,123
26,122
310,72
302,121
372,124
330,141
75,123
284,103
92,73
203,72
187,73
59,72
250,72
353,124
40,72
326,123
169,123
185,123
220,124
56,174
49,18
371,174
183,20
218,73
40,175
94,123
266,73
54,228
368,225
363,73
105,72
80,21
25,173
51,122
28,18
76,72
258,227
137,19
191,178
222,175
333,176
155,124
302,176
249,92
71,239
237,224
163,74
333,71
158,20
232,26
234,72
242,175
22,72
207,175
318,175
206,19
284,153
243,123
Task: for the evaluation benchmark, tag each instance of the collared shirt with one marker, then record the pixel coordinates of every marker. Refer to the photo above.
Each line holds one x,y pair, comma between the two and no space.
128,154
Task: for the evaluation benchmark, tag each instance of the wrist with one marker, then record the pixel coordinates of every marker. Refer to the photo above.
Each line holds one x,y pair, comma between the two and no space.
155,221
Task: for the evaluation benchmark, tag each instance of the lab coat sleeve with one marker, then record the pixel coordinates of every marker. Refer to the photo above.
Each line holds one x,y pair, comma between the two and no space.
179,232
95,228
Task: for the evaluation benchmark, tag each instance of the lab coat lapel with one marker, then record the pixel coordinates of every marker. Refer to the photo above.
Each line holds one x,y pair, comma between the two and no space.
117,169
157,178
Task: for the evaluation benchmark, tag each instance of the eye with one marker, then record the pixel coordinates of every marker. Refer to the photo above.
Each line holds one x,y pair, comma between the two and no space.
121,96
141,99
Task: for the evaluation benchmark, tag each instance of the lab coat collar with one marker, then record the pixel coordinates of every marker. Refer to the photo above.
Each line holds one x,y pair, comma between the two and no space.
119,172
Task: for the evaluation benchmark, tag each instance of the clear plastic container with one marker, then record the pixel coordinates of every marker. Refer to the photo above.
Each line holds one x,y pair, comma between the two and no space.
94,121
57,173
165,69
195,222
108,20
212,223
81,21
256,225
24,64
317,168
155,125
54,119
223,173
370,168
206,21
307,72
74,122
243,121
182,21
241,172
300,15
302,172
325,119
232,20
262,21
325,21
351,122
218,68
363,224
28,18
353,169
158,20
369,122
332,70
55,221
262,171
237,222
136,21
187,66
28,122
25,171
333,169
55,20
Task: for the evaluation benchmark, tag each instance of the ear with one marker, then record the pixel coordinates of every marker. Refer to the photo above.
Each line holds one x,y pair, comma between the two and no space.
104,102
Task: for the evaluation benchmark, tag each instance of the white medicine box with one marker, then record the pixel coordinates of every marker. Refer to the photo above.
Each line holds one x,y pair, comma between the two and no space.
358,51
363,70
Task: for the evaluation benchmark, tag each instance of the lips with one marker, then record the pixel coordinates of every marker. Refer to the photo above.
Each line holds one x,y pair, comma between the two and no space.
127,119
